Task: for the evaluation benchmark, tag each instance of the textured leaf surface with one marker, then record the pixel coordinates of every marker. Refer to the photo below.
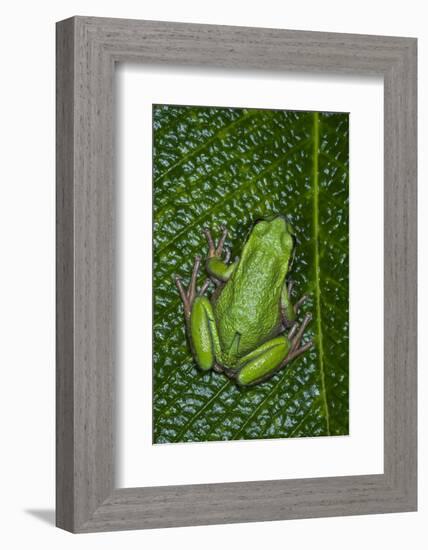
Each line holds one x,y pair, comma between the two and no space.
215,166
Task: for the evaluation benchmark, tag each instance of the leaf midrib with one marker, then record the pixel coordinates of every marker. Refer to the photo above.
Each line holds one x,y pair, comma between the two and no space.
315,178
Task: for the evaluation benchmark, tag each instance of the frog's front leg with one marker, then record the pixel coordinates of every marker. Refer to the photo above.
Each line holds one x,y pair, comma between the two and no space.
200,323
217,268
288,310
269,358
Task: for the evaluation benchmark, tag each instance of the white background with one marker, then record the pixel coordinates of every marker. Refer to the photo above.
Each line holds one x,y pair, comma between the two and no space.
27,286
362,451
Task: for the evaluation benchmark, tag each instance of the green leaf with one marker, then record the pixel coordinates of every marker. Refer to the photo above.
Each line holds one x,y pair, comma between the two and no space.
215,166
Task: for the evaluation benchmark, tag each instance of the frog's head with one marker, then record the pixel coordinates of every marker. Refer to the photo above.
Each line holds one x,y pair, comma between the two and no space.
275,234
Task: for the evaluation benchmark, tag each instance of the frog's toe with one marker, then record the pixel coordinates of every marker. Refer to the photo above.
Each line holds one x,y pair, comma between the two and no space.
300,302
221,241
295,341
204,287
183,294
211,245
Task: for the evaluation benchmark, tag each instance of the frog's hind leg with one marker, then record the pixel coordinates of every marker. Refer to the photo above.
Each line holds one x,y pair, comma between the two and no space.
262,367
203,334
265,359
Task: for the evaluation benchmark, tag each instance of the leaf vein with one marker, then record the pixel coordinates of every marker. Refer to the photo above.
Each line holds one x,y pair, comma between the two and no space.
228,196
203,146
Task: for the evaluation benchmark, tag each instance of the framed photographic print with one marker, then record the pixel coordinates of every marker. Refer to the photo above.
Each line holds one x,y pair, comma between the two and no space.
236,274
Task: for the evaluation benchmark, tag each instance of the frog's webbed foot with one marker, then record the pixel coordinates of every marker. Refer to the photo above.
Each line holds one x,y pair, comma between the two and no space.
295,337
213,250
188,295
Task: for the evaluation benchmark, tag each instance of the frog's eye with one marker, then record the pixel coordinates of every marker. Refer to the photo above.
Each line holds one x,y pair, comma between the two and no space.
260,228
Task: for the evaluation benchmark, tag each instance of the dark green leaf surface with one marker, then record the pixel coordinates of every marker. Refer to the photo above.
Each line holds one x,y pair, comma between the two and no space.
215,166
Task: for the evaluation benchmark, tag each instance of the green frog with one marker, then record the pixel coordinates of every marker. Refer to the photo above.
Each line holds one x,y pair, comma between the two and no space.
248,328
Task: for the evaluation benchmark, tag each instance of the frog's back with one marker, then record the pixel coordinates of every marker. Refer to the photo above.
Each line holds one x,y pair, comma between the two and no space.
247,310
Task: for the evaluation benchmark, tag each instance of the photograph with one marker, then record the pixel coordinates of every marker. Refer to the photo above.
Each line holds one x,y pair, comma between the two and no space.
250,273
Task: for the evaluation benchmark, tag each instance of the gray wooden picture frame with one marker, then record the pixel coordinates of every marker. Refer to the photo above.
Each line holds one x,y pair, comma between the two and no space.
87,51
